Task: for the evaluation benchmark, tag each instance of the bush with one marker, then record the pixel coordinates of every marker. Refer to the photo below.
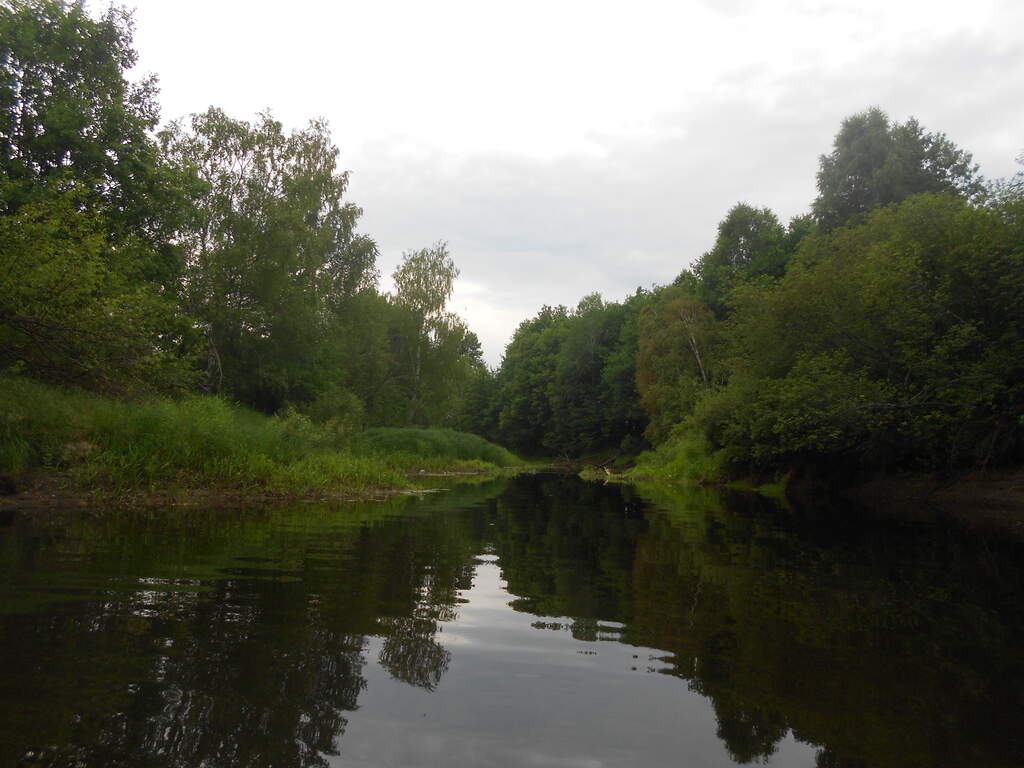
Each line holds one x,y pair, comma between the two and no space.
686,457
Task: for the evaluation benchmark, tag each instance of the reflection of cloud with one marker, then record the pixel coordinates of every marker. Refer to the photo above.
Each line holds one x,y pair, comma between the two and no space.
515,696
433,750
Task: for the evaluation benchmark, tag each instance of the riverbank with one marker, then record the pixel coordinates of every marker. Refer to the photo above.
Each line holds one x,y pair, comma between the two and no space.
991,499
54,493
62,446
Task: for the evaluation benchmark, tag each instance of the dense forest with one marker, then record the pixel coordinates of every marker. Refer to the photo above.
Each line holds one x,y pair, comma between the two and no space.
883,329
221,256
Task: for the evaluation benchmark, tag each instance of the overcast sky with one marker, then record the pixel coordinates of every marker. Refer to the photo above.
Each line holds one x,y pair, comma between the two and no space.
566,147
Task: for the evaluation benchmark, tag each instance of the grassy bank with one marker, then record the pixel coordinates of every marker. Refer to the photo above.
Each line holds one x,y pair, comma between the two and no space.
430,449
685,460
991,498
94,443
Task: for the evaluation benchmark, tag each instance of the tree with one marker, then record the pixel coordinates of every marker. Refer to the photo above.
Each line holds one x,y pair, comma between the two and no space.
624,420
876,162
567,383
677,332
576,394
424,282
432,339
88,207
1006,191
271,252
898,341
69,310
526,377
750,242
69,116
480,405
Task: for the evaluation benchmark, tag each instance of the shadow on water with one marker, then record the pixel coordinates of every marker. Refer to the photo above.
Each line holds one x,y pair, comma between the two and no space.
247,638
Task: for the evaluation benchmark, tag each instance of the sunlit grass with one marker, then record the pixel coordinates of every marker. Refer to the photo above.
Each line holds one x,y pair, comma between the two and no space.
685,457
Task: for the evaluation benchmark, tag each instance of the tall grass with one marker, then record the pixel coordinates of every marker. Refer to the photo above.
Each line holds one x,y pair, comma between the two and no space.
436,445
200,440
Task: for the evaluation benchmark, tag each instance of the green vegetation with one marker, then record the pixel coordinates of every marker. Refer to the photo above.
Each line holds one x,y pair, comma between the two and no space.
882,331
443,444
177,274
567,384
684,458
219,256
205,442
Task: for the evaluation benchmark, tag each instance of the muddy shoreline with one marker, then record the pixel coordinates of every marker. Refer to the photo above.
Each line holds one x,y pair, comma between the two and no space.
48,493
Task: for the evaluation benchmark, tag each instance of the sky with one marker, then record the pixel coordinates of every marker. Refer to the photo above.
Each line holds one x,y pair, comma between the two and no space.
563,148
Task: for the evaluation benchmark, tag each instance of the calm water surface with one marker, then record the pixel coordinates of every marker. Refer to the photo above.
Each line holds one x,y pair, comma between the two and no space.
539,621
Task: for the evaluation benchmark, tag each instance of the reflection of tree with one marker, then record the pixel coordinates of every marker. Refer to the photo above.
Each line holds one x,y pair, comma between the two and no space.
258,660
828,759
411,654
749,733
866,637
566,548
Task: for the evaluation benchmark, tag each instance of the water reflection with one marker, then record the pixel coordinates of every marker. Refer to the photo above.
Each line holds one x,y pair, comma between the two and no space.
539,621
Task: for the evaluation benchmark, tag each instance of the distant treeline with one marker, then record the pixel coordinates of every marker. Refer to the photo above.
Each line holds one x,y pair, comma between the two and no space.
216,256
885,328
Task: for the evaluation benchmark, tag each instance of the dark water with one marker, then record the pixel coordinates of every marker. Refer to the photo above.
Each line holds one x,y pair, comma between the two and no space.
533,622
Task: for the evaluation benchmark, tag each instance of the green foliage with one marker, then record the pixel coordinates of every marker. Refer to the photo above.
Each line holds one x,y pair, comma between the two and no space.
69,309
358,354
88,206
271,250
424,282
436,353
567,383
896,341
526,375
201,441
69,116
675,360
430,443
875,162
750,242
480,406
678,346
882,335
685,457
336,409
128,263
624,420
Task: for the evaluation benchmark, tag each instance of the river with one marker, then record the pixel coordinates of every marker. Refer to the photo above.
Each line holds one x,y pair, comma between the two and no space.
532,621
